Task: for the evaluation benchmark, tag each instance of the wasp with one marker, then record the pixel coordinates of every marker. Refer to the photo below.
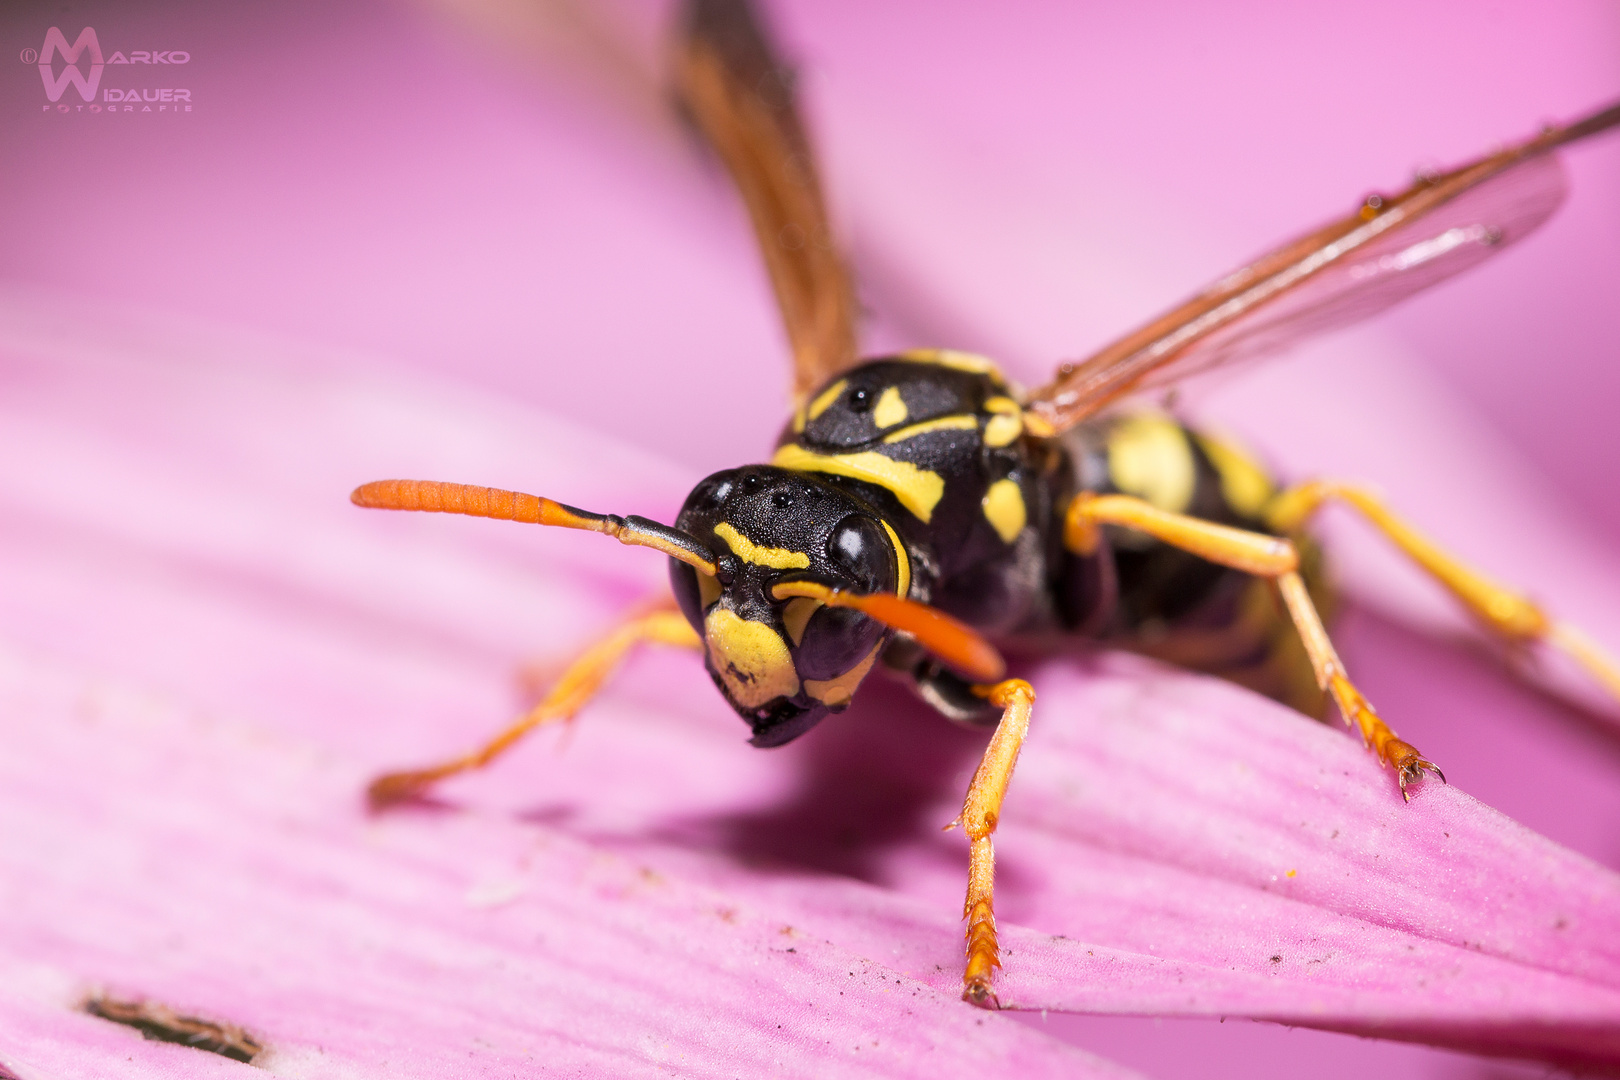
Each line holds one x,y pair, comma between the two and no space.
919,508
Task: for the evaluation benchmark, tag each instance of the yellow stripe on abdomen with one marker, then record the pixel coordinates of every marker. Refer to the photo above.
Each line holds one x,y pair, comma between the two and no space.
1149,457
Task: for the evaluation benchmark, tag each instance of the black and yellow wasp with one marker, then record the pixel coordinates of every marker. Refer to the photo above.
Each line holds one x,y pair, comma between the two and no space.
919,506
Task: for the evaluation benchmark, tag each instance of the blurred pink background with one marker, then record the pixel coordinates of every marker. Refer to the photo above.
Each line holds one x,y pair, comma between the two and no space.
429,189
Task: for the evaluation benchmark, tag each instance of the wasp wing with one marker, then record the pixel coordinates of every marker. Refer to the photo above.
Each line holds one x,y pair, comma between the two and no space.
741,97
1390,248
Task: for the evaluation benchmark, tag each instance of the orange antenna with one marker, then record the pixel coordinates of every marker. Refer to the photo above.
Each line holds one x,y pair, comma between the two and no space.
958,645
532,510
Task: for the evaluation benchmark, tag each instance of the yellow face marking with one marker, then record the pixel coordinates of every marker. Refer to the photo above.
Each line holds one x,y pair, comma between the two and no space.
1003,428
1149,457
708,590
1245,484
919,490
796,616
798,420
1000,404
748,551
837,691
890,409
963,422
752,659
1003,507
903,577
825,399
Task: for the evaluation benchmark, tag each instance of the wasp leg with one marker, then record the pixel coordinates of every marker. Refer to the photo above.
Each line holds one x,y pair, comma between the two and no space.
1409,765
1265,556
578,684
1504,611
980,812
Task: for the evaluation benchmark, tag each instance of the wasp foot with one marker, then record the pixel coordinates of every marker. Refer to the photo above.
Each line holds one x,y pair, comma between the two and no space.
399,787
1376,735
976,991
983,955
1408,765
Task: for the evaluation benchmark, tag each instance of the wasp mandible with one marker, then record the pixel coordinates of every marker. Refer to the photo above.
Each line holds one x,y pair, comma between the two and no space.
919,507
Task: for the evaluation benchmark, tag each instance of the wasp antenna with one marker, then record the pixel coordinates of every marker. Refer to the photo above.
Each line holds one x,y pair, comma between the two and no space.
958,645
432,495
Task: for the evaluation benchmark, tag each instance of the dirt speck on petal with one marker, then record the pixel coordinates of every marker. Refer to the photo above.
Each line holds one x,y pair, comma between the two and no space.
163,1024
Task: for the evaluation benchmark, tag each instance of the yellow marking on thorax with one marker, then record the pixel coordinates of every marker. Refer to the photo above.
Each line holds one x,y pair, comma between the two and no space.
1003,506
1149,457
748,551
752,659
1245,484
825,399
962,421
890,408
838,690
960,361
919,490
902,586
1006,422
1003,429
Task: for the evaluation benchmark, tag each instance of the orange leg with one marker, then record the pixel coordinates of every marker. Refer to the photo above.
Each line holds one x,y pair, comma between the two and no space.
1353,706
980,812
573,690
1502,610
1265,556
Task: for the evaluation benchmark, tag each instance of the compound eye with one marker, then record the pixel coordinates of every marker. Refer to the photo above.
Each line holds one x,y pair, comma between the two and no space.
860,547
833,641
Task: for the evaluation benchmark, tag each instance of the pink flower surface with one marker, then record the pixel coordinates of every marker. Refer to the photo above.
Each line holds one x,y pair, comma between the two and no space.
409,262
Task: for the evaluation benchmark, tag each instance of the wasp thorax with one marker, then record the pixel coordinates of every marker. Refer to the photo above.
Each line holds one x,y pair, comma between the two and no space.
784,664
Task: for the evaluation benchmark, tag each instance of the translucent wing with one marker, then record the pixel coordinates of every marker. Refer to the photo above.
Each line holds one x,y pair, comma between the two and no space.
741,97
1390,248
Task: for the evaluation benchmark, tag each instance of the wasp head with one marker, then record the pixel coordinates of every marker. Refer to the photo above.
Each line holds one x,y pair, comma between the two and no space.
783,664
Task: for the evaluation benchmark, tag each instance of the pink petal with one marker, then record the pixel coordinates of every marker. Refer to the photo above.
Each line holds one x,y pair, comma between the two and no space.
228,871
1154,822
227,868
1225,825
417,232
1149,816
